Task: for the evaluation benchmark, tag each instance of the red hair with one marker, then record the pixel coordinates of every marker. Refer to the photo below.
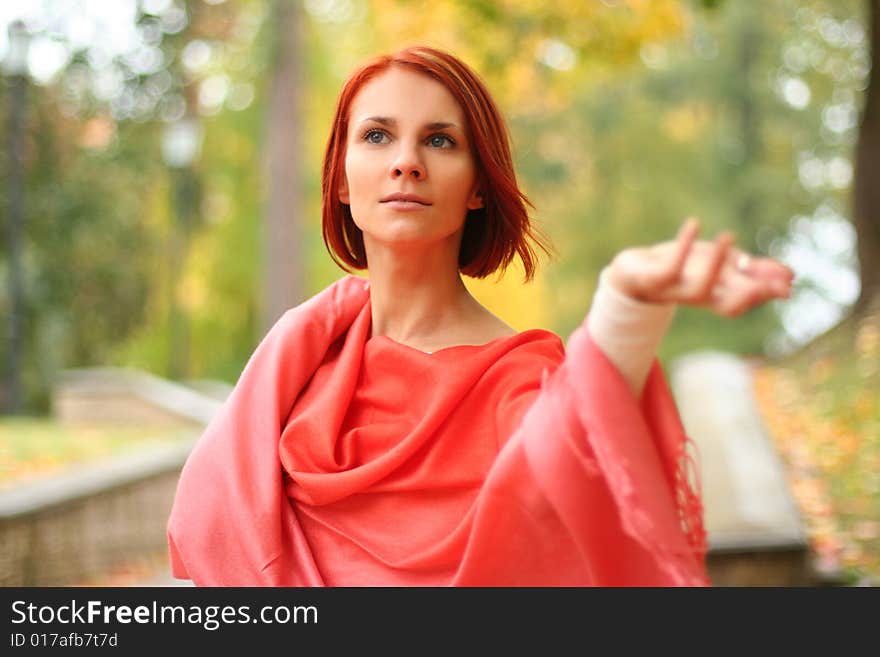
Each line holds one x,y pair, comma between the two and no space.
493,234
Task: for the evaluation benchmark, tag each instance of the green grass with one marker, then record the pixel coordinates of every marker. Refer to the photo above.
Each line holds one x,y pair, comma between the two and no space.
31,448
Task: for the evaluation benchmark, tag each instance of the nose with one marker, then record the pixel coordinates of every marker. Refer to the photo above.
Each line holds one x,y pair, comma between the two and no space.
408,164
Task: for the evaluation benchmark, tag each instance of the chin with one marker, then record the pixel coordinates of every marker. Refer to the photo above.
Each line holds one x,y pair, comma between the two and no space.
400,234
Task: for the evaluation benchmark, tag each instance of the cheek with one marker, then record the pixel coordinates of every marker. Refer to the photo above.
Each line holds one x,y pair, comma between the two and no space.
464,180
359,187
357,172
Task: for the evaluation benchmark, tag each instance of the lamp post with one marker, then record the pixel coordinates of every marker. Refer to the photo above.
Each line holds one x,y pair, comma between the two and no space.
15,66
181,144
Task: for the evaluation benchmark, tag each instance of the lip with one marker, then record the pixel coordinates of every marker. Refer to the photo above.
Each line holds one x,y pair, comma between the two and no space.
402,199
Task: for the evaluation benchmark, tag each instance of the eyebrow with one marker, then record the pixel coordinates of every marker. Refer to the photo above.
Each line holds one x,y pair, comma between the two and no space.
385,120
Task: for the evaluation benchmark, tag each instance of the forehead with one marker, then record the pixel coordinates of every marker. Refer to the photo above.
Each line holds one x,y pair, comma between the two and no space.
403,94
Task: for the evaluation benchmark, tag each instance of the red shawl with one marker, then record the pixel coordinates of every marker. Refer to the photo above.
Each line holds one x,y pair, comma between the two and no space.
345,460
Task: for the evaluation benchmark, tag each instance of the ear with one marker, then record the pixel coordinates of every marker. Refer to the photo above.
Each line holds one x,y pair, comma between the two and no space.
475,200
343,190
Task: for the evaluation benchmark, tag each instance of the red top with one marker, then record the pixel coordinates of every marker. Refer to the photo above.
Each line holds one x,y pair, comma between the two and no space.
508,463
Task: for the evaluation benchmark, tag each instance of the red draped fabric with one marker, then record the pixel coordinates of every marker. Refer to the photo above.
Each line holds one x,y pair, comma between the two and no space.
345,460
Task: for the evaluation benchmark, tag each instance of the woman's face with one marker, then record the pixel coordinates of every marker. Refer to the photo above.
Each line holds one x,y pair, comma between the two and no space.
409,174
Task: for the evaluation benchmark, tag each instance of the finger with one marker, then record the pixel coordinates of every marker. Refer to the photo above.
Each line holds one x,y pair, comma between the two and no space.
740,262
770,268
779,288
717,258
685,239
737,299
775,277
767,286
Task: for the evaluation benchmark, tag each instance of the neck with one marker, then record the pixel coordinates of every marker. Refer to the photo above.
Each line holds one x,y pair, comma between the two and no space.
416,295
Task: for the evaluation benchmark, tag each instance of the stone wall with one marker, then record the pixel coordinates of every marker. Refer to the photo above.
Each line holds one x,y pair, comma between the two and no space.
81,525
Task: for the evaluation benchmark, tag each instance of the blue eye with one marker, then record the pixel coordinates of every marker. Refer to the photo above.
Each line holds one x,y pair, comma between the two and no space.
375,136
441,141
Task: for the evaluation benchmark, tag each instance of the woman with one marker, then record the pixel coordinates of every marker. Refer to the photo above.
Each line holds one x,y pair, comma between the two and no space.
393,431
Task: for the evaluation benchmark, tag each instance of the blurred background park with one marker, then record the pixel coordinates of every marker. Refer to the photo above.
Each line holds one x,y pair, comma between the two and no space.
161,194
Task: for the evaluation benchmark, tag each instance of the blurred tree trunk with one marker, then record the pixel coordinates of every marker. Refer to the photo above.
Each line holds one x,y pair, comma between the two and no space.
12,394
282,262
866,187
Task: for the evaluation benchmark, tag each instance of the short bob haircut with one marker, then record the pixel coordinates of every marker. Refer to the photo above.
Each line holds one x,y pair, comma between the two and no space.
492,234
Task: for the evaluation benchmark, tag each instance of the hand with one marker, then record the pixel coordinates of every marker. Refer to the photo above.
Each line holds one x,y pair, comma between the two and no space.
713,275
